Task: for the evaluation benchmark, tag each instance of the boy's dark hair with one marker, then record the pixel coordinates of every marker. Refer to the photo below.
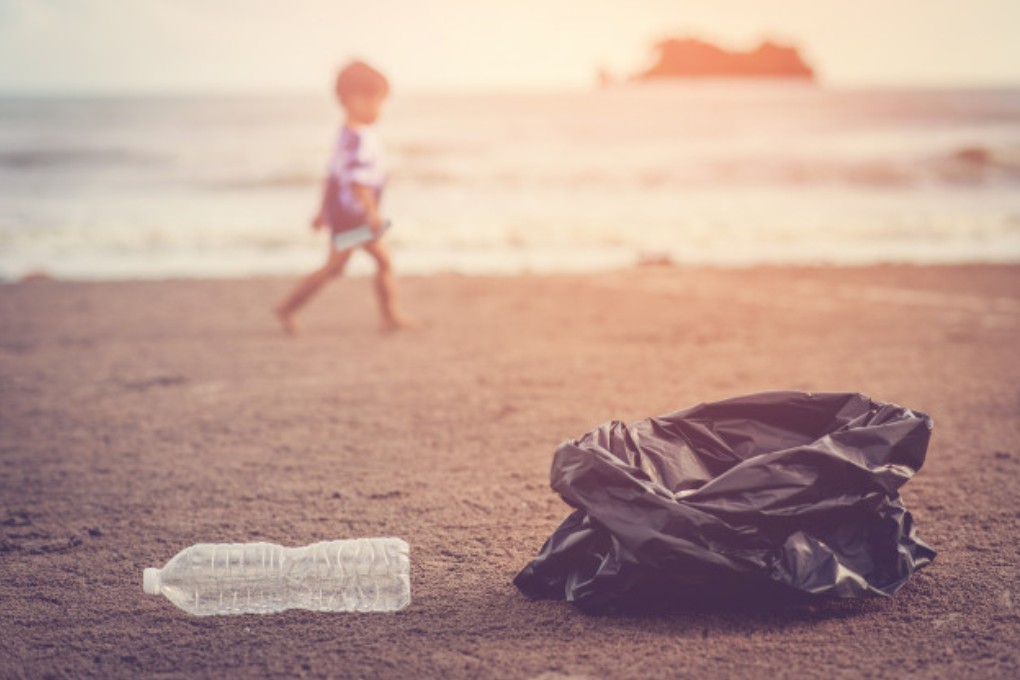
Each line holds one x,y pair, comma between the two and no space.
359,78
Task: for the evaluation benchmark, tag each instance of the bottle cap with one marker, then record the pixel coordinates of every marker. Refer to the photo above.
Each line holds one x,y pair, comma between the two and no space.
151,581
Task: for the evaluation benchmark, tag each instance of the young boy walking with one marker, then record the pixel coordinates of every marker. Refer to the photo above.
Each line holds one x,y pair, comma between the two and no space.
351,195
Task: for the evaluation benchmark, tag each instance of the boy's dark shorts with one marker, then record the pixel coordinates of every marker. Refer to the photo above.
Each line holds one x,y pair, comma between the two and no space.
340,220
344,220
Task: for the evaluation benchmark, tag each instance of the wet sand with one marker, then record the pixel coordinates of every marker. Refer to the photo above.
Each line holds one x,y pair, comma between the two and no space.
139,418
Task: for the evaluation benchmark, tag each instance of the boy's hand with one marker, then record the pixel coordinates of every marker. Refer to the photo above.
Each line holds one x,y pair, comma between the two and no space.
375,222
367,198
319,221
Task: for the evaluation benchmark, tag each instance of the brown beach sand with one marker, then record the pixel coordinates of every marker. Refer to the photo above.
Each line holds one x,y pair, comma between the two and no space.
139,418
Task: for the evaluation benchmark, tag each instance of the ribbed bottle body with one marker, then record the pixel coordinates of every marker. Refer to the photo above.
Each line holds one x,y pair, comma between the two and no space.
357,575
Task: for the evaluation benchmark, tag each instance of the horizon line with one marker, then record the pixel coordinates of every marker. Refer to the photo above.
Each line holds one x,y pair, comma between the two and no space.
821,83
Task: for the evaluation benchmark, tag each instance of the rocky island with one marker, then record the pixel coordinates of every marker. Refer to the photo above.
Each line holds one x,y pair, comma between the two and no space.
693,58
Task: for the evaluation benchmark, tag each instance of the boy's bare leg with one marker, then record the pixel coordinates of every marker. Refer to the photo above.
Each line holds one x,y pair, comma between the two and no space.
308,287
385,288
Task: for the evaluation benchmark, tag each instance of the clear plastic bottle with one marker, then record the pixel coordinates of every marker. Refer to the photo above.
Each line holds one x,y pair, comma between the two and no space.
358,575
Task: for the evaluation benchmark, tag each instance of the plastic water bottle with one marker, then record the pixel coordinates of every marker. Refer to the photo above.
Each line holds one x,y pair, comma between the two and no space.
358,235
359,575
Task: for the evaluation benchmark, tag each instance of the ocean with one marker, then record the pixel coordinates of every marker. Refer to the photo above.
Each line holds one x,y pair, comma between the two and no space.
688,173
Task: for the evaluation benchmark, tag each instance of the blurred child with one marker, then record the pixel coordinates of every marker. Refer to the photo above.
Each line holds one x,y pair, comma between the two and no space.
351,194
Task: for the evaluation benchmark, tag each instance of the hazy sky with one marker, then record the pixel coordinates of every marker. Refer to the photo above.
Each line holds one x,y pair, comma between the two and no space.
240,45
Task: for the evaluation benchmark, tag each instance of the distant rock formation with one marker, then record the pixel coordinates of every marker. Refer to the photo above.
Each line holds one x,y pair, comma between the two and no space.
692,58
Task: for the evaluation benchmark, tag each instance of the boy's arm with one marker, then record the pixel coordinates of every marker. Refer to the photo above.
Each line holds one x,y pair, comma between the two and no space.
366,196
329,197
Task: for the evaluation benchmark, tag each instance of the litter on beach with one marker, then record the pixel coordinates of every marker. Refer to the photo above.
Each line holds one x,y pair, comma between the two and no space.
778,494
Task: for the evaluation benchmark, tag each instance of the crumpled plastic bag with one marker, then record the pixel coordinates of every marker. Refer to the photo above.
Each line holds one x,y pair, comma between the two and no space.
780,493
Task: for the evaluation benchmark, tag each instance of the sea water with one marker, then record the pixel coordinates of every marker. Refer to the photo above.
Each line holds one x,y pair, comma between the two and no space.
701,173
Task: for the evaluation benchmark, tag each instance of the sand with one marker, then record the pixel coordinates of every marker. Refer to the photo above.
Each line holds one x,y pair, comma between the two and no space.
139,418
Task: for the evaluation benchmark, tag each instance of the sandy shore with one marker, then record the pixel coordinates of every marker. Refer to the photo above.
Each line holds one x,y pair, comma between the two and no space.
139,418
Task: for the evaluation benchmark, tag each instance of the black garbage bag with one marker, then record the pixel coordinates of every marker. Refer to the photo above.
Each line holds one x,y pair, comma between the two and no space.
768,494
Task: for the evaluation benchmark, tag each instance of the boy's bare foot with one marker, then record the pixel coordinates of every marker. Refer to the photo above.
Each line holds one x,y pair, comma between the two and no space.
398,322
287,321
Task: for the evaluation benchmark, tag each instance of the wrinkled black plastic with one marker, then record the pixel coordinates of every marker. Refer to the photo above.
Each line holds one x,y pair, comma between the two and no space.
781,492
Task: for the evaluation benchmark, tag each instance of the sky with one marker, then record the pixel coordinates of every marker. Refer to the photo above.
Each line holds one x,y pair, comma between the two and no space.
172,46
